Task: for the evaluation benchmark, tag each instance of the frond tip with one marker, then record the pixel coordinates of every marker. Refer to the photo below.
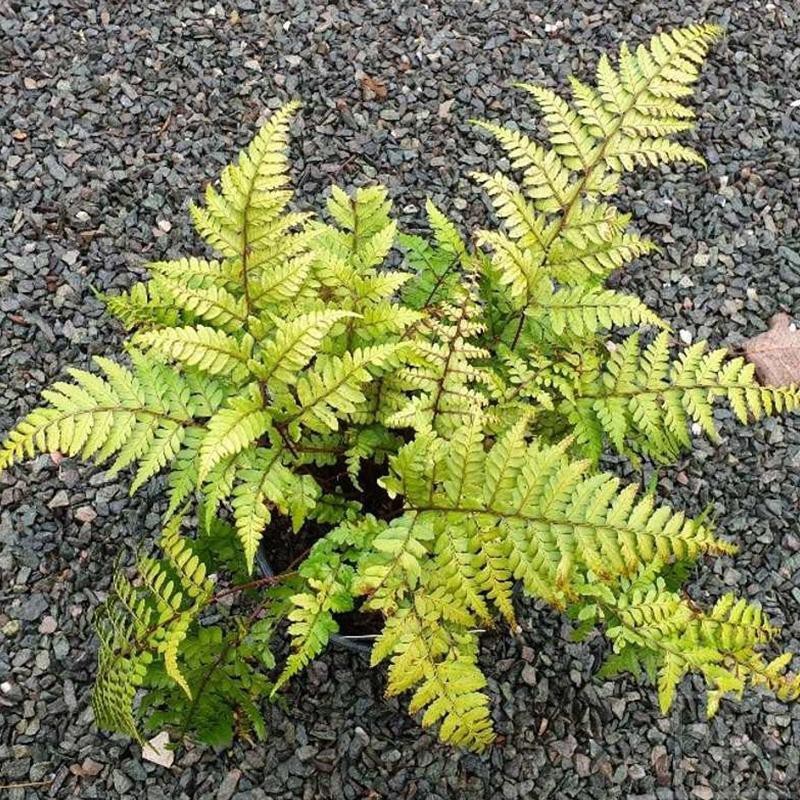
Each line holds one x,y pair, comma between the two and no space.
653,627
254,192
643,401
440,665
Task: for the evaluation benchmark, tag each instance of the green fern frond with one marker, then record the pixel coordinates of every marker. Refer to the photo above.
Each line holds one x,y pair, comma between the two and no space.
546,181
258,482
517,268
556,224
384,320
312,624
195,269
333,389
260,485
557,517
210,303
628,152
442,386
457,579
141,623
282,282
183,475
438,266
391,570
571,140
367,232
117,680
233,428
212,351
520,219
327,590
582,311
649,624
644,401
253,193
444,231
294,344
142,305
440,665
595,261
364,215
121,414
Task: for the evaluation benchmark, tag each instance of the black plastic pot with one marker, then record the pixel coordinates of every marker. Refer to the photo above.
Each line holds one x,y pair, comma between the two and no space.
356,644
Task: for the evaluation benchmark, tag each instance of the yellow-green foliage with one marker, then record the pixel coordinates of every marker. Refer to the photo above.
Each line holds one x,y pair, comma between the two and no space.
436,426
151,617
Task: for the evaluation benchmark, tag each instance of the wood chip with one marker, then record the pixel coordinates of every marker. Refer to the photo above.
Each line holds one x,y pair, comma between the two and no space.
776,352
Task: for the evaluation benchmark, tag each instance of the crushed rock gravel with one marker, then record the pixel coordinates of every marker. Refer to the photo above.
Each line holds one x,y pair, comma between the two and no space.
115,114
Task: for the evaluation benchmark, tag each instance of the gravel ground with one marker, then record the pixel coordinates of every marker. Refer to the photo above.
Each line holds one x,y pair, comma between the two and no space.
115,114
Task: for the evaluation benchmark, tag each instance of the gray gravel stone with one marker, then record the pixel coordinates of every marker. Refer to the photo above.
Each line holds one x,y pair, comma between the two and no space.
32,607
228,785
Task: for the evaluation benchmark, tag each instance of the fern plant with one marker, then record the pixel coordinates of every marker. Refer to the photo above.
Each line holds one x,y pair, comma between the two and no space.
431,430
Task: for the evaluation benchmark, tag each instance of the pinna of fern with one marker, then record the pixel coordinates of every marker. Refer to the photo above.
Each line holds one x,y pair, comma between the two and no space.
434,428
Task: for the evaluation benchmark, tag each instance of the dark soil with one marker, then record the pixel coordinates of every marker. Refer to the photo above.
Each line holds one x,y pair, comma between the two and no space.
359,623
284,549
